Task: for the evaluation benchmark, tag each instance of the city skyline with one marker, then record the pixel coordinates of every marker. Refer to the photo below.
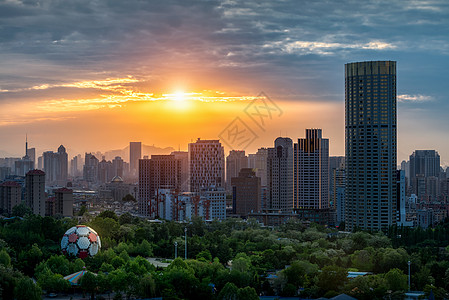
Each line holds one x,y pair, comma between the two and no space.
112,75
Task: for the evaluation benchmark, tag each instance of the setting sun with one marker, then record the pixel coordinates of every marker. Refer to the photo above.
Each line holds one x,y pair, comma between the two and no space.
179,96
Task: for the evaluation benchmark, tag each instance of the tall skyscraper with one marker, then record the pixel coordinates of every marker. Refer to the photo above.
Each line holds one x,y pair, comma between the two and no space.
206,161
280,176
370,144
35,191
135,153
311,171
235,161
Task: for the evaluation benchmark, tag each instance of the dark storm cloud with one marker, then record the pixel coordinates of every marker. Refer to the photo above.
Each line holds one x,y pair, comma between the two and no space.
300,46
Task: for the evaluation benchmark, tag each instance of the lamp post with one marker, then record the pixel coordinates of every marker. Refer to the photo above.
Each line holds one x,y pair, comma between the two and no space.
176,250
409,263
185,239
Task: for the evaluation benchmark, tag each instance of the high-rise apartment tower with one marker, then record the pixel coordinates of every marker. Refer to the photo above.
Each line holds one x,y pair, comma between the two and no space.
370,145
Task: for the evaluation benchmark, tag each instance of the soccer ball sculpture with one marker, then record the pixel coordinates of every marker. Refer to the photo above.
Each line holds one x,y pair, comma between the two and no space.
80,241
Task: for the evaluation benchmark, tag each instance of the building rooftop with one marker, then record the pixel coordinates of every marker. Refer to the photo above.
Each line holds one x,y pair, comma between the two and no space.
10,183
36,172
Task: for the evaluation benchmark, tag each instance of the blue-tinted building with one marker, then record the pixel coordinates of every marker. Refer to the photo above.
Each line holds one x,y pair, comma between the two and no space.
370,144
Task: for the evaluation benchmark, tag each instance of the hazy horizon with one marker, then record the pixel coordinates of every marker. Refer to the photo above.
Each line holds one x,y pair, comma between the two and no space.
94,76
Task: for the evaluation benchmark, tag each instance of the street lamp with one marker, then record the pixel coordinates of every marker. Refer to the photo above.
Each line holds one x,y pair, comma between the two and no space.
185,239
409,263
176,250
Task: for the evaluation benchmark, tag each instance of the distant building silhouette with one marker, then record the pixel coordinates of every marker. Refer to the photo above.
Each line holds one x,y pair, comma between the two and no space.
90,169
118,166
56,166
235,161
258,162
22,166
135,153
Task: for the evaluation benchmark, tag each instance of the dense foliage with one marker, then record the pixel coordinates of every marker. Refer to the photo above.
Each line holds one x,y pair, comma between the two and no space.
227,260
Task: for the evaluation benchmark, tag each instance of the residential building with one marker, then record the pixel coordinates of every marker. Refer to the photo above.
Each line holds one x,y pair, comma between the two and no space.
35,191
311,171
206,163
280,176
10,196
64,202
370,89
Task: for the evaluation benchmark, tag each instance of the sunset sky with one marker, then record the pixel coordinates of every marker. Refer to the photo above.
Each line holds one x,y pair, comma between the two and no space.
94,75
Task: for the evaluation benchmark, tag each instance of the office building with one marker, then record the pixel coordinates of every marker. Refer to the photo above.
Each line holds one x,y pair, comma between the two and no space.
235,161
424,165
135,153
35,191
370,89
311,171
206,162
424,162
246,192
280,176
